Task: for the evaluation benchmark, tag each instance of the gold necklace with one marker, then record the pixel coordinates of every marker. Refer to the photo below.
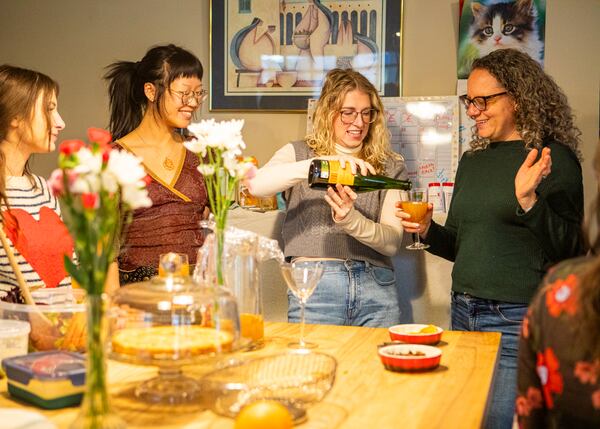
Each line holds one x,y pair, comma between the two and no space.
167,163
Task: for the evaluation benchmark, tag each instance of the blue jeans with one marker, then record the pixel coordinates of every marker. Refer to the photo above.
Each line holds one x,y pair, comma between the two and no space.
476,314
351,293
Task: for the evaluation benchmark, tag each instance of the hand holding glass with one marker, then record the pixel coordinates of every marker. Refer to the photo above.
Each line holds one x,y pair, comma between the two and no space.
302,278
414,202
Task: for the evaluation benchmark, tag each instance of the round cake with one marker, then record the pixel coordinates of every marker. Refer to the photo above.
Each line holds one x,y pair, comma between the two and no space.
170,342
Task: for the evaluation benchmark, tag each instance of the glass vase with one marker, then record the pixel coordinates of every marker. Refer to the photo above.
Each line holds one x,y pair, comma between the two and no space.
220,243
96,411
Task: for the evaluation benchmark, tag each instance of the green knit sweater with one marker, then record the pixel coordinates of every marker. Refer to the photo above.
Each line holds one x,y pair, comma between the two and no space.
500,252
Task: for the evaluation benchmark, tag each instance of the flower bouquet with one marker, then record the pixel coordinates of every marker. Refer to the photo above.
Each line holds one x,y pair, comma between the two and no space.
219,146
98,187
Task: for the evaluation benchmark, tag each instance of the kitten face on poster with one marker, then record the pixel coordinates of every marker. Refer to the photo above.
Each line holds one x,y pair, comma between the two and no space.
506,25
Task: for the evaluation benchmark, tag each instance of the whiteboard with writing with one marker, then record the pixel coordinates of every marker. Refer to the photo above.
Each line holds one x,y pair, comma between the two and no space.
424,130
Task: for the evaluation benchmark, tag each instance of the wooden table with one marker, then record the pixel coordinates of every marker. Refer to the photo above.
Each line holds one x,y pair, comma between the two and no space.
364,395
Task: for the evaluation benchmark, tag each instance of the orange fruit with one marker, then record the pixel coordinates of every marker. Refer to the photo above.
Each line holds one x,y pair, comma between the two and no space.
264,414
429,329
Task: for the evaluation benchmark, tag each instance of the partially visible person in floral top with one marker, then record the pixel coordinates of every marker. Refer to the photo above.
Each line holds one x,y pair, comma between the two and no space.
559,350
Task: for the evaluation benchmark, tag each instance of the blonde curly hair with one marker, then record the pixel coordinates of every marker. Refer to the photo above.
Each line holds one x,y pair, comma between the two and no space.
542,110
338,82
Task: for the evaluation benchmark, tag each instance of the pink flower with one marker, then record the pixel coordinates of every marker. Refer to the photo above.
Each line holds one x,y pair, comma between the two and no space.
587,372
522,406
89,200
525,324
525,404
561,296
98,135
534,396
596,399
56,182
69,147
250,172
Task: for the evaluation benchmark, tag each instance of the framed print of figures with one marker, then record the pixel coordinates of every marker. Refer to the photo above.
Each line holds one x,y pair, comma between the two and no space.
274,54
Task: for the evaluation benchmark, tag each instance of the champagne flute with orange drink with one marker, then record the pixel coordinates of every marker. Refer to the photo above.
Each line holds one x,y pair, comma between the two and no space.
174,264
414,202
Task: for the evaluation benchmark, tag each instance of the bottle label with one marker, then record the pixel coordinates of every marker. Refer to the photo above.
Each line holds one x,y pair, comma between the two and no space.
339,175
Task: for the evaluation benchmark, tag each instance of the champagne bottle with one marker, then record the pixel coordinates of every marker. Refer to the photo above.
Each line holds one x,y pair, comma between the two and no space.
323,173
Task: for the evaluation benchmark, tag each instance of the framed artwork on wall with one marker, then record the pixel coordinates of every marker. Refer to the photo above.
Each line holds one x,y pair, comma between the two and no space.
488,25
274,54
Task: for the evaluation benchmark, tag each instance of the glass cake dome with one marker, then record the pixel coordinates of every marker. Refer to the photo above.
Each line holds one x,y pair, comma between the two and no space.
170,321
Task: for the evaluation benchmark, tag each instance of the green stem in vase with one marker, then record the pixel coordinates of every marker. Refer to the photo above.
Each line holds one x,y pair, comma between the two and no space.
96,411
220,236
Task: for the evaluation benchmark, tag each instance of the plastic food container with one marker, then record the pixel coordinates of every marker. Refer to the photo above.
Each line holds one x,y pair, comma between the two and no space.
14,337
58,322
53,379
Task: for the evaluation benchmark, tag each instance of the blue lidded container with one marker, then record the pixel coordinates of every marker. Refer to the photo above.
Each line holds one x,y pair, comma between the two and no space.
51,379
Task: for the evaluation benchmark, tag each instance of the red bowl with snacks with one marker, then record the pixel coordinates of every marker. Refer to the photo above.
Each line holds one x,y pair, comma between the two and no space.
410,357
415,333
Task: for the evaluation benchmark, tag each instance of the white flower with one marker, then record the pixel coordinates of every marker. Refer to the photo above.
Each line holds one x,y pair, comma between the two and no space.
109,181
224,135
80,185
125,167
89,163
231,164
206,169
196,146
135,196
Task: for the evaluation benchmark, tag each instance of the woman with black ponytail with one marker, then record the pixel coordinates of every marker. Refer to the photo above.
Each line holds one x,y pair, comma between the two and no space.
152,102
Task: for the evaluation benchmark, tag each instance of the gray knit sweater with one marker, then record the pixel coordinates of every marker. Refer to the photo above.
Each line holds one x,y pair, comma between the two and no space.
309,230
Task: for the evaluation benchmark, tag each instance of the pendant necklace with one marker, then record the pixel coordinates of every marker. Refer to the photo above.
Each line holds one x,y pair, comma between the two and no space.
167,163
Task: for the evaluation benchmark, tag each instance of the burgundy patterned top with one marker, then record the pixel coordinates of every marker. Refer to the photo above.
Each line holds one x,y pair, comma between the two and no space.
171,224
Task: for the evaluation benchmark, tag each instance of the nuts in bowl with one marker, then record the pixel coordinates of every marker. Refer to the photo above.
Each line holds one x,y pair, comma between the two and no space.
415,333
409,357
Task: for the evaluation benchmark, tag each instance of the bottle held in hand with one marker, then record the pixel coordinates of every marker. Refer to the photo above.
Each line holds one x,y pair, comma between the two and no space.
323,173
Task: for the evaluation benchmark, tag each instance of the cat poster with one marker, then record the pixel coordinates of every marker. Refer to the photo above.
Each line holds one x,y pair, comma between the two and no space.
487,25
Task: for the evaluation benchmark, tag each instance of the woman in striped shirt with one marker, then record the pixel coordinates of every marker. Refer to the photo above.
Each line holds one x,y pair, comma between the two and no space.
29,123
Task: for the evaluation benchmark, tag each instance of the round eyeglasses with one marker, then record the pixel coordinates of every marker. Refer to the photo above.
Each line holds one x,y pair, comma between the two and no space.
480,103
348,116
187,96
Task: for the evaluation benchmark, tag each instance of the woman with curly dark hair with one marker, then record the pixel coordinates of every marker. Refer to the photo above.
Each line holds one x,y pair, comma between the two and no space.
559,352
517,206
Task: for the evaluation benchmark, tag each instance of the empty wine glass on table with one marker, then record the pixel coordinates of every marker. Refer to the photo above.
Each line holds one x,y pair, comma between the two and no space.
414,202
302,278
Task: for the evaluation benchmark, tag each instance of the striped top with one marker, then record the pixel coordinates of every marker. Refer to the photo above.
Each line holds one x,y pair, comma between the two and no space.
42,238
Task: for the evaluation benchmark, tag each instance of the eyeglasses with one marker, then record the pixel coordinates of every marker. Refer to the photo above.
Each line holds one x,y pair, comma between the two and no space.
186,96
348,116
480,103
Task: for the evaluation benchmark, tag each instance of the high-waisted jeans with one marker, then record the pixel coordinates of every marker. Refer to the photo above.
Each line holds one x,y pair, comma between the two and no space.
476,314
351,293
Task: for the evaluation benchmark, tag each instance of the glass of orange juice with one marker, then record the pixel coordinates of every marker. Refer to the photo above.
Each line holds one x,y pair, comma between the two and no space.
173,264
414,202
